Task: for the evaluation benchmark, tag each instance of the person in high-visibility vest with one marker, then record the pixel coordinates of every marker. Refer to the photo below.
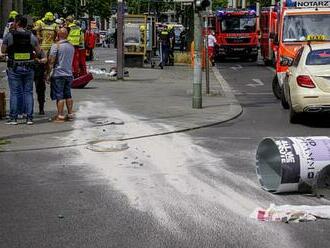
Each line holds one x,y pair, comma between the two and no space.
76,38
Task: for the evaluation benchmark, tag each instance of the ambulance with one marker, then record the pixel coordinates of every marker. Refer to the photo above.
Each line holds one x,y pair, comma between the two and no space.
268,28
298,23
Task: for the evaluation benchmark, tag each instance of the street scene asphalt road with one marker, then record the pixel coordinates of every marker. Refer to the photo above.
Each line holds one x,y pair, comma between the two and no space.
189,189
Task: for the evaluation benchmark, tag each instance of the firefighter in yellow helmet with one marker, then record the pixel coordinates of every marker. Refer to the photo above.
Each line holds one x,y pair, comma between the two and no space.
10,23
76,38
46,30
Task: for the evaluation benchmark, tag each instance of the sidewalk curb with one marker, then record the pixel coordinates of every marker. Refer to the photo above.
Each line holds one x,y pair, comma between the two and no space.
235,110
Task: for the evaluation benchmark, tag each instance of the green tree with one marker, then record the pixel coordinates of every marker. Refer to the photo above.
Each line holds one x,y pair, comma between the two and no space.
219,3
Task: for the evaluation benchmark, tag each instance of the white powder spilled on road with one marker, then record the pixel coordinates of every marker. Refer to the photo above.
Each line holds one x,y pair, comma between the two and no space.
158,172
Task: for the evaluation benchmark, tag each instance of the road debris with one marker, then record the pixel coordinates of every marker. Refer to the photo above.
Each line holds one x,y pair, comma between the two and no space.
101,121
291,213
60,216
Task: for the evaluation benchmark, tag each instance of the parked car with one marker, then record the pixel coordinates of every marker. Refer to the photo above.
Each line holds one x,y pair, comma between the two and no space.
307,85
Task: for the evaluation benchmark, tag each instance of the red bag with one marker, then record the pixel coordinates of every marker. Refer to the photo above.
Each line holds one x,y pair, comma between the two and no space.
82,81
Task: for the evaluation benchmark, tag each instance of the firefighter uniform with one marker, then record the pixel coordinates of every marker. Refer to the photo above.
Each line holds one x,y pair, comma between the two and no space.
76,38
46,30
90,41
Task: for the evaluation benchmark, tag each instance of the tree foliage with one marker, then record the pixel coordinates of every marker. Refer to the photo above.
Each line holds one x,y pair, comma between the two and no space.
104,8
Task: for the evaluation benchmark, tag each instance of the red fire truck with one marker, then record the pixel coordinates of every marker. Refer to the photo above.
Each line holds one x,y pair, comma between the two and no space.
298,22
268,28
236,33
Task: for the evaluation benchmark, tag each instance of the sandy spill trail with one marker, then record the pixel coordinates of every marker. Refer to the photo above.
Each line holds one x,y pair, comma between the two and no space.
163,175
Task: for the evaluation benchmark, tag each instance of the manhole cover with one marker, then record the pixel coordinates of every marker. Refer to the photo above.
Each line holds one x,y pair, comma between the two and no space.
108,146
103,121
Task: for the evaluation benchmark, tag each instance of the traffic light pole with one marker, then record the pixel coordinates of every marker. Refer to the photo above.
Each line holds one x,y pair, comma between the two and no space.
197,84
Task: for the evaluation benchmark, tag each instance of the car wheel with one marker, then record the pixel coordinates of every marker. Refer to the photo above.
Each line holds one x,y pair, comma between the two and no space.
294,116
268,62
284,102
254,58
276,88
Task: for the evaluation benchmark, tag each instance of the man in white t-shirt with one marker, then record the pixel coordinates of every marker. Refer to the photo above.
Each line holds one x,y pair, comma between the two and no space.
211,41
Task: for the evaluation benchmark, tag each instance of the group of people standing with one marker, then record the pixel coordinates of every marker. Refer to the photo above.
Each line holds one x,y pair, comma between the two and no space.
48,52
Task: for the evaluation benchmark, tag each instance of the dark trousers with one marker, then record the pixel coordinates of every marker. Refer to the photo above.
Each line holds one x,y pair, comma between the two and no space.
165,54
40,84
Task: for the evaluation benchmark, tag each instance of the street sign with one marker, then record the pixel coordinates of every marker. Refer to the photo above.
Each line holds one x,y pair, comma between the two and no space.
308,3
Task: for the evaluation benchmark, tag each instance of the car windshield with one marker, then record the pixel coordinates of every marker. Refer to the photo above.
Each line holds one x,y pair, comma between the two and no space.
319,57
238,24
306,27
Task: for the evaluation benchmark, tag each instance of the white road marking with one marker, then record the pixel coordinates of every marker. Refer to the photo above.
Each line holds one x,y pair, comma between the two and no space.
228,91
236,68
253,93
258,83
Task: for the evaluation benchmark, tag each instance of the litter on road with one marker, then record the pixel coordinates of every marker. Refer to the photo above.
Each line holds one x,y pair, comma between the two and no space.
104,122
291,213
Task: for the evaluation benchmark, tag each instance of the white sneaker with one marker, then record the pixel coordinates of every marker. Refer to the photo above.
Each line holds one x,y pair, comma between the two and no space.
29,122
11,122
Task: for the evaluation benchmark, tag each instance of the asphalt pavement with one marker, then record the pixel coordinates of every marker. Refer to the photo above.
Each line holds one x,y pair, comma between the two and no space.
236,142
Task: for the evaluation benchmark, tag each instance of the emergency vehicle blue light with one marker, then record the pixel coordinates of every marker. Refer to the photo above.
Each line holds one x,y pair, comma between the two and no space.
291,3
220,13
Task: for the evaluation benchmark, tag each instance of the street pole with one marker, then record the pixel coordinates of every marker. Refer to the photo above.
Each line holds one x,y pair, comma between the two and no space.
120,40
234,4
197,84
207,64
5,7
243,4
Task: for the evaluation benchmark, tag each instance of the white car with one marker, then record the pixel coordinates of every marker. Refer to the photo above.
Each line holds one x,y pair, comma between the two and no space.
307,86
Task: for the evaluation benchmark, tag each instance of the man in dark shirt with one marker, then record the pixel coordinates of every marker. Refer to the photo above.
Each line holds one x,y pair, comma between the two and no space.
20,45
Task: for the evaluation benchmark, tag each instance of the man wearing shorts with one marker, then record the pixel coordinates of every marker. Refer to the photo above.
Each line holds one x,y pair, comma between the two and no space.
60,75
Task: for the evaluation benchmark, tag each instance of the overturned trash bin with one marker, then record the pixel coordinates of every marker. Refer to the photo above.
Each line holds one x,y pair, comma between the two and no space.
285,164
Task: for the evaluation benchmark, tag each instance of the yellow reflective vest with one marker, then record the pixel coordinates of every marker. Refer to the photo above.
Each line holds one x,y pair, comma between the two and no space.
75,36
48,35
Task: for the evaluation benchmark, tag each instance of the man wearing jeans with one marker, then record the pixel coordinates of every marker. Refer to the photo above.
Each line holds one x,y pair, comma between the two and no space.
60,63
20,46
